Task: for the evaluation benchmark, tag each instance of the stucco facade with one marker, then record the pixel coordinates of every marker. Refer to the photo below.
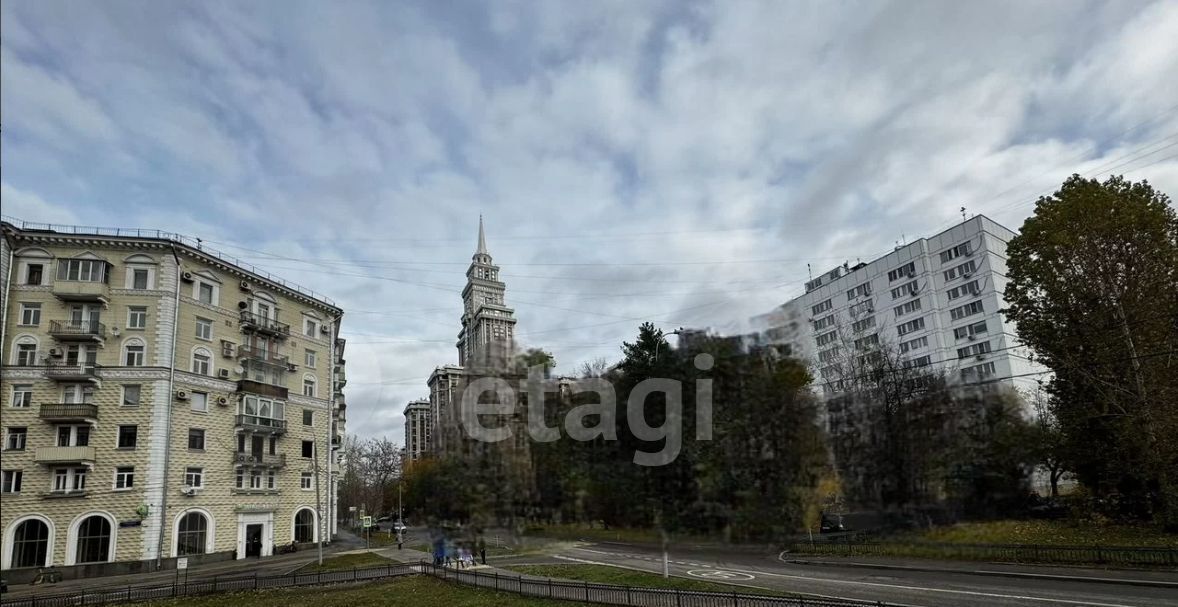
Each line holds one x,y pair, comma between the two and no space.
144,380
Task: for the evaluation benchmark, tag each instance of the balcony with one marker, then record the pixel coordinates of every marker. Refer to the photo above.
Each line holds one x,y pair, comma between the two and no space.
69,412
64,455
265,356
262,389
265,460
253,423
82,291
263,324
72,372
77,331
64,494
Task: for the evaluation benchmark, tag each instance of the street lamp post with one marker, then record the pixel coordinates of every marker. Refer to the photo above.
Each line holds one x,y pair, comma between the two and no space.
662,531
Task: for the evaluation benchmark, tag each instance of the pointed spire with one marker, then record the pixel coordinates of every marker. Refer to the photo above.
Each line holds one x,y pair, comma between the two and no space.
482,239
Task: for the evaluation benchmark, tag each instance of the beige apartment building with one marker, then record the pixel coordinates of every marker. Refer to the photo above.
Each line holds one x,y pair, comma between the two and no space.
160,400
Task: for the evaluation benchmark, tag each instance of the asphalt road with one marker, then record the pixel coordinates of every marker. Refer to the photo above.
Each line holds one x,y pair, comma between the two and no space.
900,586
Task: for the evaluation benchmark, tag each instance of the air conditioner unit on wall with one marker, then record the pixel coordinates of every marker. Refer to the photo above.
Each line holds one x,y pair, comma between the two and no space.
223,401
972,337
223,373
54,352
245,286
186,277
228,349
189,491
324,330
181,394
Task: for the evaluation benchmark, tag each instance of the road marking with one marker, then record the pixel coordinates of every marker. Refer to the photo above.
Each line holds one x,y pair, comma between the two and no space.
918,588
720,574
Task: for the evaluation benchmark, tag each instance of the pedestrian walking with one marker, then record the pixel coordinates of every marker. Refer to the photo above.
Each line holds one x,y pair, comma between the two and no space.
482,549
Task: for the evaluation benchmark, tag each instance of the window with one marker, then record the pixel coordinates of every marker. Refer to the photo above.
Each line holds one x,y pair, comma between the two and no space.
308,449
908,269
131,395
128,436
30,314
977,328
137,317
68,480
308,386
73,436
310,327
861,308
910,326
10,481
964,269
262,411
255,479
859,291
913,344
194,477
30,544
969,288
202,362
968,309
863,325
124,478
822,307
134,353
35,274
308,417
305,481
240,479
15,439
309,359
206,293
204,329
961,250
907,308
198,401
977,372
823,322
974,350
923,361
906,290
192,533
26,354
870,341
84,270
271,480
826,338
93,540
140,278
196,439
304,527
22,396
828,355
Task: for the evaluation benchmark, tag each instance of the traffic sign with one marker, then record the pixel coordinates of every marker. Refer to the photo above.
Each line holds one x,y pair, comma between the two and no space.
366,521
182,563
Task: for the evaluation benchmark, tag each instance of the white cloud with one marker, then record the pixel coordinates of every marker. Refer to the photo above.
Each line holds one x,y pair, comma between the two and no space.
356,146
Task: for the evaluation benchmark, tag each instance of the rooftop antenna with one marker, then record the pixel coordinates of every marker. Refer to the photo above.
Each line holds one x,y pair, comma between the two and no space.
809,272
962,213
198,243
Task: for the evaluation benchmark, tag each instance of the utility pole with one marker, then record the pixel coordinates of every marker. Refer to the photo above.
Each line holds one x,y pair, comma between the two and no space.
318,505
400,514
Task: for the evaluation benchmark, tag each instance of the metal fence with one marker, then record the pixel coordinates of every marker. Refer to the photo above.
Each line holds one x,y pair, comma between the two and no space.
612,594
110,595
1022,553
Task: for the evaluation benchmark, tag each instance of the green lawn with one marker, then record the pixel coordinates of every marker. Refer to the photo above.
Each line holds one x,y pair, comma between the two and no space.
413,591
604,574
347,561
1054,533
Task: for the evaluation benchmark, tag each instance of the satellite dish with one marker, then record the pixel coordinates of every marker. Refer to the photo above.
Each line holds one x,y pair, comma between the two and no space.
239,370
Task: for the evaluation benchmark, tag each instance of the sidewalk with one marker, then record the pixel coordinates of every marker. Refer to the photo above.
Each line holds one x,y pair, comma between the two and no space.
1140,577
273,565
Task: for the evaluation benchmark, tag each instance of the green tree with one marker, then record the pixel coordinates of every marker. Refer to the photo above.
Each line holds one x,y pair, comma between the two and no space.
1093,288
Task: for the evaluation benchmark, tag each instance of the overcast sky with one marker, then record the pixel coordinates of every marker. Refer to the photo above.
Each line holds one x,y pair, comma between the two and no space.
675,162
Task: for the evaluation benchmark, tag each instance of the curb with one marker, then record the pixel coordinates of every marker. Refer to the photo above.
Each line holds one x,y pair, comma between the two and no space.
988,572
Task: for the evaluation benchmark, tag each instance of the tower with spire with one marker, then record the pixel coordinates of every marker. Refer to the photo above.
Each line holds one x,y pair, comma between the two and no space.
488,325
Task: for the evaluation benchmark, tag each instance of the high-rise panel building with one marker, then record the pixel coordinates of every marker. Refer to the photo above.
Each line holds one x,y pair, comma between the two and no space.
935,301
418,430
159,400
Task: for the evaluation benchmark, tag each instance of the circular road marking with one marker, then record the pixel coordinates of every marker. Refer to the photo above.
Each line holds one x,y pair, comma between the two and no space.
719,574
